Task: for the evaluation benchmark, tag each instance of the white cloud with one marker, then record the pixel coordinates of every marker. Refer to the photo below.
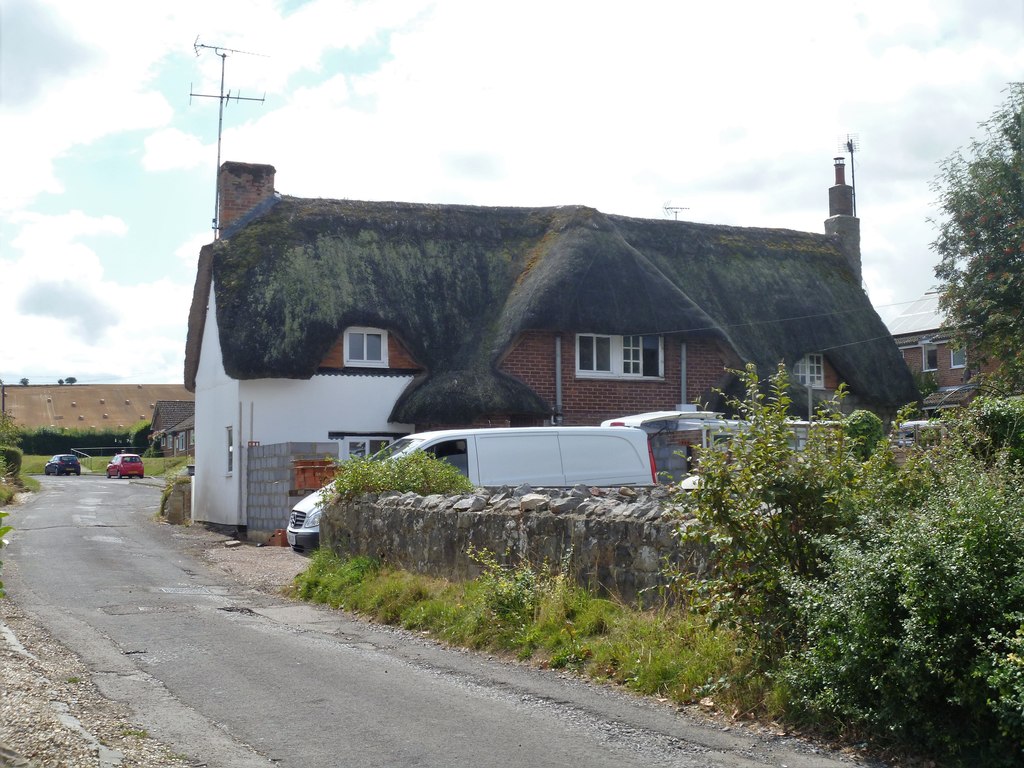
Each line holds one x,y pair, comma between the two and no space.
173,149
733,111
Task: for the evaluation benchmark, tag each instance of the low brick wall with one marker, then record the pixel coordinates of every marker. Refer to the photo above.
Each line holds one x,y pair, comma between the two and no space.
619,541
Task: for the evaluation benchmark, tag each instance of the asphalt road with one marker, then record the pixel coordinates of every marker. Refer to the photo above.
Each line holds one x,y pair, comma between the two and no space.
235,678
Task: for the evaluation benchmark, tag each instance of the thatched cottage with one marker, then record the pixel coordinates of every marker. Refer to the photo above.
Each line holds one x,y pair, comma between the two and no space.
350,323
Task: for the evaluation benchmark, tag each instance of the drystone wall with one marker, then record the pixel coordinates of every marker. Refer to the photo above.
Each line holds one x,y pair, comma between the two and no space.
617,541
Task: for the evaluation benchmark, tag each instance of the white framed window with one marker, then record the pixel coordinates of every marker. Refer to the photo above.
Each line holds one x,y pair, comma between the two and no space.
231,449
810,371
366,347
619,356
929,357
957,358
593,353
353,446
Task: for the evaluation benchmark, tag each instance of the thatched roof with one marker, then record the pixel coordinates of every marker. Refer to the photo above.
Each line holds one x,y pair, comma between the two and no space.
458,284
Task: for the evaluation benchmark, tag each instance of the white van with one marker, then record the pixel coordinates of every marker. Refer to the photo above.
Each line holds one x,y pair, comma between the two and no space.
540,456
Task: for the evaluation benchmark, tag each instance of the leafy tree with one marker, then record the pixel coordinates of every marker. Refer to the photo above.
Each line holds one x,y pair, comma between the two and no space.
8,430
24,382
60,382
981,240
70,380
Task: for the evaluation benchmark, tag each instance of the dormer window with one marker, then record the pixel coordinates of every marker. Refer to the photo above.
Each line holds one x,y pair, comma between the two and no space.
366,348
810,371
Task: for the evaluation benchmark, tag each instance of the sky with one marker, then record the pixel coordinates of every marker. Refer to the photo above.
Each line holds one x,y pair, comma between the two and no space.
715,112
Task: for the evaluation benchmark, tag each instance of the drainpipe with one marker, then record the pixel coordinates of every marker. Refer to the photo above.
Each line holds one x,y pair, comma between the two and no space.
237,437
558,378
682,375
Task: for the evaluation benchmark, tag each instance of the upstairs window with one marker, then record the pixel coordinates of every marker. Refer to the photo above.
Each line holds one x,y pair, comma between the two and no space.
810,371
366,348
929,357
619,356
594,354
957,358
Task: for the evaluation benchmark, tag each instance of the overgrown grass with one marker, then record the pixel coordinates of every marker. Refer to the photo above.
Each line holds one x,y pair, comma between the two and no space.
545,618
7,491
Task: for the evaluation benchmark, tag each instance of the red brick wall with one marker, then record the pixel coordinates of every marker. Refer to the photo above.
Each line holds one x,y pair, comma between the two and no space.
705,369
591,401
241,187
831,377
945,375
398,355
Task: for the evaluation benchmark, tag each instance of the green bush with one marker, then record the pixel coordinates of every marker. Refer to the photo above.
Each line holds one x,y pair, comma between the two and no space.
759,515
885,597
866,430
10,460
913,634
1000,420
8,430
417,472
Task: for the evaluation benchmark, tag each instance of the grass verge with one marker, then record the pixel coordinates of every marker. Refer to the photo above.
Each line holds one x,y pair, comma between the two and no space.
546,619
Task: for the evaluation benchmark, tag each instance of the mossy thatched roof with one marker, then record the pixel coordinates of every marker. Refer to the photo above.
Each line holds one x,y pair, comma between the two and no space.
458,284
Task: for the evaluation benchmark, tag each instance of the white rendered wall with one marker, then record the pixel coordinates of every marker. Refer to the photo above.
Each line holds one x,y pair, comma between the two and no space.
288,410
271,411
215,490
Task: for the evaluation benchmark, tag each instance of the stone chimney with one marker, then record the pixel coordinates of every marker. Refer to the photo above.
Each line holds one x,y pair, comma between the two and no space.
841,221
240,188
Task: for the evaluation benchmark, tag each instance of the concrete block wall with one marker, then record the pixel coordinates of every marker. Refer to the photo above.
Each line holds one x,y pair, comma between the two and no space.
618,541
269,492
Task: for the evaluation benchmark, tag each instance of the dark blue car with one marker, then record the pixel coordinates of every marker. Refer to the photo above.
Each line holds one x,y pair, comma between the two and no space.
63,464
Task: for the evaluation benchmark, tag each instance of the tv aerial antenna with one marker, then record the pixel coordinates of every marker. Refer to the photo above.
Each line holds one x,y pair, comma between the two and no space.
223,98
673,210
851,144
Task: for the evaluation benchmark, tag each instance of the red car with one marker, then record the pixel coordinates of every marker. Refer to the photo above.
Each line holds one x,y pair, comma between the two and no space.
126,465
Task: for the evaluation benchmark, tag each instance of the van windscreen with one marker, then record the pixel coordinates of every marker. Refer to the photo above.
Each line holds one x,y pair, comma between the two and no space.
398,448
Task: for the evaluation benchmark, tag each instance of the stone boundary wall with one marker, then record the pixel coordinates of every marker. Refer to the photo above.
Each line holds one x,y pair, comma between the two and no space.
618,540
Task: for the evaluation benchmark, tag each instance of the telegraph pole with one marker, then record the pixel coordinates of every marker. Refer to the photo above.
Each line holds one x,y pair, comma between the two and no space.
223,98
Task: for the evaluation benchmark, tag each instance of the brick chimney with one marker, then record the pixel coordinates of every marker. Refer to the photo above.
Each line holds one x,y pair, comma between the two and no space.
841,221
240,188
